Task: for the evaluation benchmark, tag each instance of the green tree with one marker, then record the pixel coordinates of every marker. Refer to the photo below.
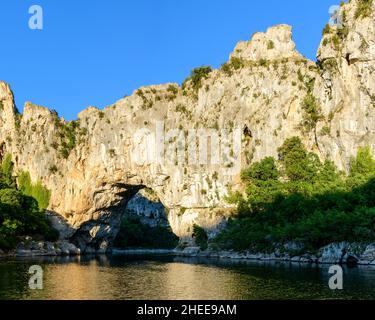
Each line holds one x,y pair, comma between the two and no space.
20,213
363,164
35,190
298,164
305,201
262,171
7,170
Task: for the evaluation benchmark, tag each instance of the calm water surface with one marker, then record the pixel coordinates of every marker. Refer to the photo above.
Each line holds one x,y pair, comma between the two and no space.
123,277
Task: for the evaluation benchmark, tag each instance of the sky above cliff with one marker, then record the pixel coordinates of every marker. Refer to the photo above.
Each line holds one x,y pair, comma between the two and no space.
93,52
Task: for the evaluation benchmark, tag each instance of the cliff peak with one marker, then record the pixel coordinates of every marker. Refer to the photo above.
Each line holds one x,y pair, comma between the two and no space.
275,43
7,109
351,36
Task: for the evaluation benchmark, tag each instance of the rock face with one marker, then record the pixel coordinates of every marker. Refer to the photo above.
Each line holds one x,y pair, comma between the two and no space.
275,44
258,99
148,208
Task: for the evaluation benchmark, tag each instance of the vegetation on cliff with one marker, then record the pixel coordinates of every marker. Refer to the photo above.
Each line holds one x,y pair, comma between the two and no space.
196,78
363,9
22,208
299,198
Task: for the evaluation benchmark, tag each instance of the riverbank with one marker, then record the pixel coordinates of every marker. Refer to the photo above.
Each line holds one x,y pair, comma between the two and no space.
129,252
42,248
335,253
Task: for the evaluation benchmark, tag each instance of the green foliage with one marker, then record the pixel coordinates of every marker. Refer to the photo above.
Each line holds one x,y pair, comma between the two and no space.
172,92
336,42
312,112
364,9
37,191
329,65
196,77
270,45
362,167
22,214
263,62
264,171
200,236
147,104
327,29
68,133
342,32
53,169
233,65
134,234
363,164
326,131
298,164
300,198
172,89
6,177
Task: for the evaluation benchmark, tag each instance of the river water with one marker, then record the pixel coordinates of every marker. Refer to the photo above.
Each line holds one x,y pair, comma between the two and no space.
168,277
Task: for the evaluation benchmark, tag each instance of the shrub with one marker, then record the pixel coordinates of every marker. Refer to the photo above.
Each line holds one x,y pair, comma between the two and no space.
270,45
196,77
234,64
327,29
325,131
53,169
64,152
68,132
263,62
364,9
172,89
312,112
336,42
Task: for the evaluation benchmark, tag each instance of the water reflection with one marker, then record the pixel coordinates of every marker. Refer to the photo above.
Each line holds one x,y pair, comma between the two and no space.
168,277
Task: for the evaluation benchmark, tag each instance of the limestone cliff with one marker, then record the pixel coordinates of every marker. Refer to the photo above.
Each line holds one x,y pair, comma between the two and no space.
266,93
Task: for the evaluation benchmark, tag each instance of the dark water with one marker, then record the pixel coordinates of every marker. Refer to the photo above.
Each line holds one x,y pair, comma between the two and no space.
170,277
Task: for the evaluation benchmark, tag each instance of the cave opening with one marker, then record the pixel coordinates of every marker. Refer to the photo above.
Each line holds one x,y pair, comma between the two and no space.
138,220
144,224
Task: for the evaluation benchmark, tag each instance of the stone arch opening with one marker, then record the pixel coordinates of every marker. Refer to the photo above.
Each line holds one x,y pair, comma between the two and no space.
136,218
145,224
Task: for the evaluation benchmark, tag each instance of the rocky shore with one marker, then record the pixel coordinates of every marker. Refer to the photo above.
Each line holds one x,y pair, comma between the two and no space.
43,248
125,252
335,253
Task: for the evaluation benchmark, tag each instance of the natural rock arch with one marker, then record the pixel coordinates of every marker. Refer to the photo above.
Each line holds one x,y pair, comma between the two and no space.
265,90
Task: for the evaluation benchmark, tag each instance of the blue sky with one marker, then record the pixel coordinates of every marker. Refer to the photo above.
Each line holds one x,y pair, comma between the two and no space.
93,52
